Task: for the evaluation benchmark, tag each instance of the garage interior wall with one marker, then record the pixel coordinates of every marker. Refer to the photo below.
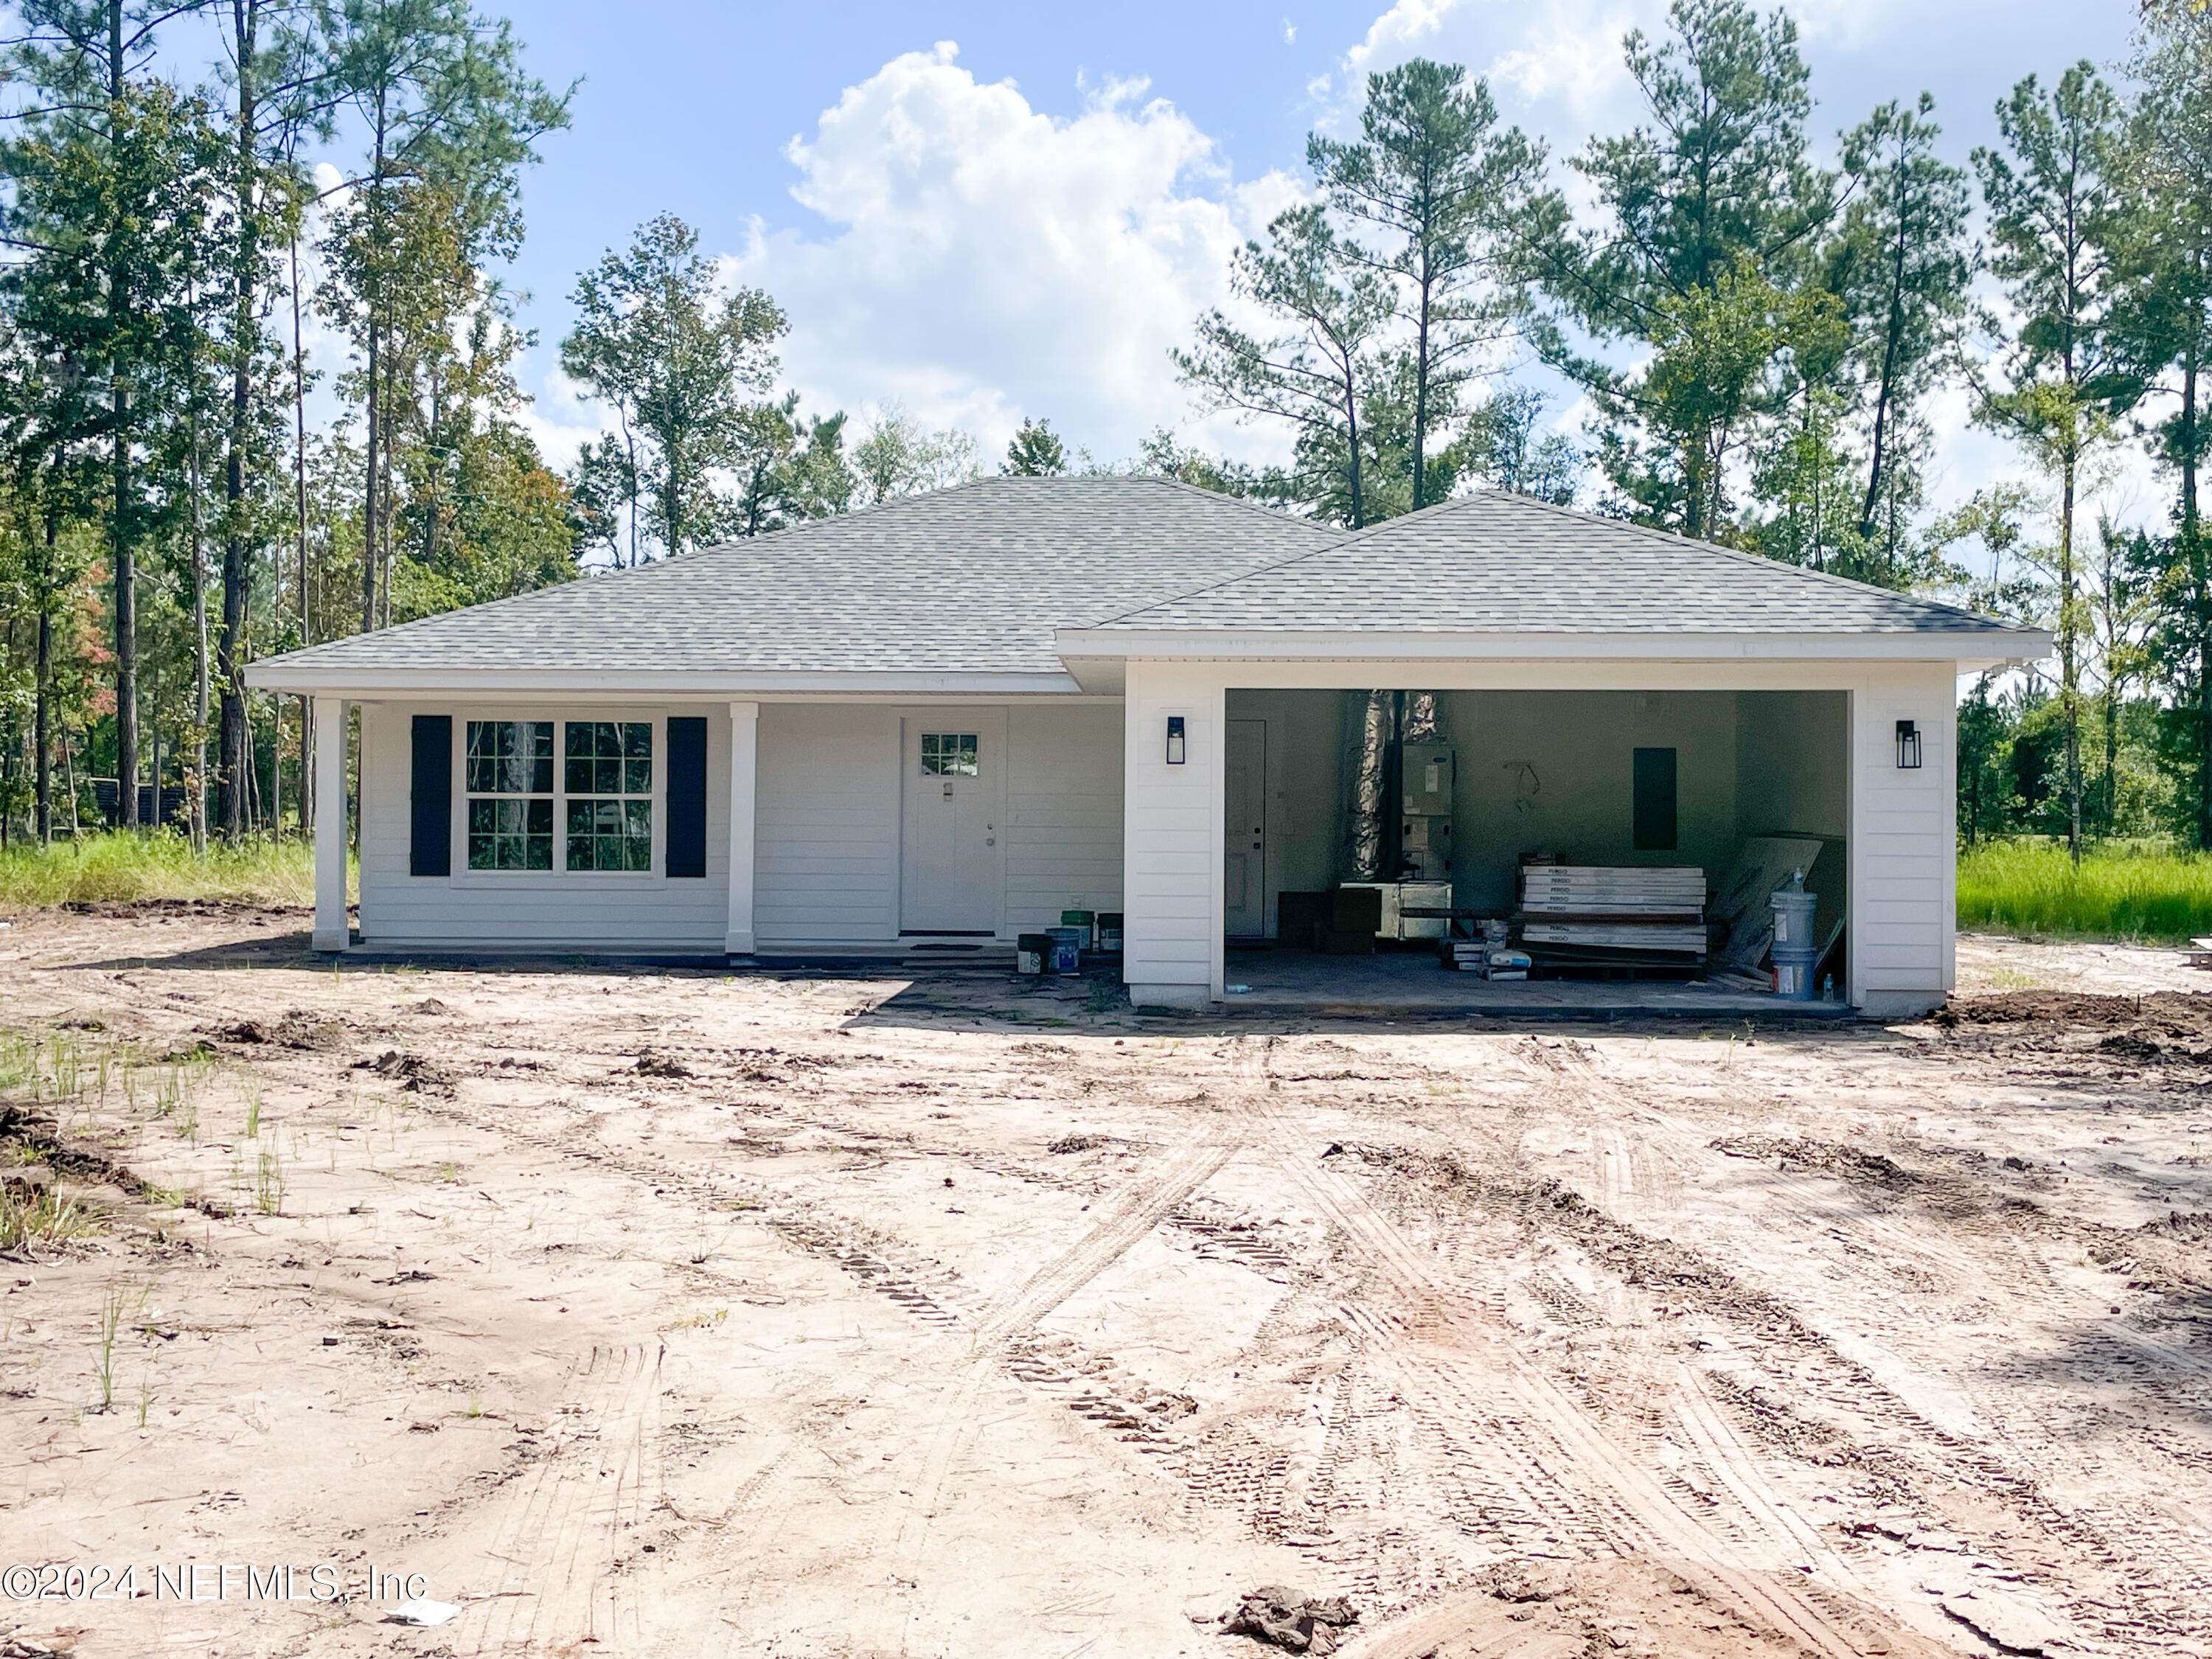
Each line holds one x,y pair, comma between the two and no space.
1551,771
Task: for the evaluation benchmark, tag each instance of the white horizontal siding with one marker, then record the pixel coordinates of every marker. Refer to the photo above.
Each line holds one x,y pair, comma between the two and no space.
1172,859
473,908
827,840
1063,814
1903,834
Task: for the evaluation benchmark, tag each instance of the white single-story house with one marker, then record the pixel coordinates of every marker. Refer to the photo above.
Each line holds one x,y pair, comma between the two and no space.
953,716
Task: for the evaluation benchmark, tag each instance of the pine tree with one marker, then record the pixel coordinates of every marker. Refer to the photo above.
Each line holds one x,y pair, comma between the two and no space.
2057,217
1712,213
684,368
1435,180
1901,268
1317,374
2169,323
1035,451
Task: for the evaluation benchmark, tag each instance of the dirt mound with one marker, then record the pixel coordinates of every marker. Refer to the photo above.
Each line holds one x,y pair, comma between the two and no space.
413,1071
2169,1013
1626,1608
1826,1156
298,1030
126,909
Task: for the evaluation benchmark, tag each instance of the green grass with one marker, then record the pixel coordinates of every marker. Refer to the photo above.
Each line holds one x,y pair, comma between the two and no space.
124,867
2031,887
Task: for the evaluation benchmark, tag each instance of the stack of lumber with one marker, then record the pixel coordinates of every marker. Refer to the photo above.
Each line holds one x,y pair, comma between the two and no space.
1594,906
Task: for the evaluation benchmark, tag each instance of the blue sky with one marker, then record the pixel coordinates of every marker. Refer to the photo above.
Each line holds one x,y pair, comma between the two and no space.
984,211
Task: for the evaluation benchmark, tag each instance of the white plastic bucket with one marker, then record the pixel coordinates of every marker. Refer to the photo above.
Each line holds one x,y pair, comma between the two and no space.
1793,921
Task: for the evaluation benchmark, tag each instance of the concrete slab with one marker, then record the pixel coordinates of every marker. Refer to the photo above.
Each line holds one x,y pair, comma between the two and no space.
1303,979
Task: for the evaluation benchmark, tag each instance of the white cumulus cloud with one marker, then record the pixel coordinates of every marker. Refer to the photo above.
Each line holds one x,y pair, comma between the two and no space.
977,260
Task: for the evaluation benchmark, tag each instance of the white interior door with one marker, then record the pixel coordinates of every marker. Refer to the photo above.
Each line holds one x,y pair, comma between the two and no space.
1245,827
952,867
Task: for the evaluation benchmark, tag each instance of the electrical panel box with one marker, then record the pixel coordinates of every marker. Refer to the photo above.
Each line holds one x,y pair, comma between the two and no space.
1428,780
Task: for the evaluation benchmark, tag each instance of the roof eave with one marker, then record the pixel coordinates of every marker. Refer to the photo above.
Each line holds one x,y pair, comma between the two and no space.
355,681
1970,647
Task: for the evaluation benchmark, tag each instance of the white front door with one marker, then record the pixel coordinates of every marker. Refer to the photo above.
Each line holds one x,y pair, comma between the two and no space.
952,870
1244,830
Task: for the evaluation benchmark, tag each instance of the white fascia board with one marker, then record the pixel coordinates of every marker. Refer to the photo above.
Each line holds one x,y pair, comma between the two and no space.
360,682
1970,647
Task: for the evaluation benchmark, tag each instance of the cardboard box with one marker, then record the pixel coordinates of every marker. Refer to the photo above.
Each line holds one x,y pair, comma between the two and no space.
1344,941
1296,915
1357,909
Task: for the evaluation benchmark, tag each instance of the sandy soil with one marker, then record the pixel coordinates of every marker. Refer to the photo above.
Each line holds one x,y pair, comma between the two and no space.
654,1313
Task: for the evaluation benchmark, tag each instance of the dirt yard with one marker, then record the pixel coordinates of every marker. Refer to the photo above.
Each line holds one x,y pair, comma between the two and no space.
644,1313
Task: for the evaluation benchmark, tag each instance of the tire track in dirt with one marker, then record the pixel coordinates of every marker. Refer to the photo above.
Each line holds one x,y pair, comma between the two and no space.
559,1534
1997,1450
1447,1361
989,1334
1152,1196
975,1346
2164,1568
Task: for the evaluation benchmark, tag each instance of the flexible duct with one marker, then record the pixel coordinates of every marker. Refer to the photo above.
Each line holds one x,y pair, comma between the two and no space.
1367,749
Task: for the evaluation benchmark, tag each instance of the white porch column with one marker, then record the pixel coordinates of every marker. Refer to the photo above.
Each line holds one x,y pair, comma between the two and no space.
1171,836
330,932
745,773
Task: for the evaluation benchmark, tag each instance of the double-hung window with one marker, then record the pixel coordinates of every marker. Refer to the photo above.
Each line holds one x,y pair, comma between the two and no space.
609,784
510,788
586,805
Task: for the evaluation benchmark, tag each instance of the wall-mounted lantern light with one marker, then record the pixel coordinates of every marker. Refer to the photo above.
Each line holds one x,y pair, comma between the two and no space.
1908,746
1175,745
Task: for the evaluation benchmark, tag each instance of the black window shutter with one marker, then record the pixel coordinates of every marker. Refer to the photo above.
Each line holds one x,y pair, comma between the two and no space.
687,796
1654,813
430,844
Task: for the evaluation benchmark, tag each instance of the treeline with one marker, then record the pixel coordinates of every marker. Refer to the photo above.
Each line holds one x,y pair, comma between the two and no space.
166,512
1758,316
1760,334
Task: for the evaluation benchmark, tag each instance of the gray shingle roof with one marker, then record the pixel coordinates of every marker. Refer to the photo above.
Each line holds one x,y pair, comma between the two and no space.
972,579
976,580
1495,563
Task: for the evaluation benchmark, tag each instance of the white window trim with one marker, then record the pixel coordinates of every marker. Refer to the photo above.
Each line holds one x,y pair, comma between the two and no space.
559,877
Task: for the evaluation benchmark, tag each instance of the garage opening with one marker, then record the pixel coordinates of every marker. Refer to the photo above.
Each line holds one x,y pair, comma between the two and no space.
1538,849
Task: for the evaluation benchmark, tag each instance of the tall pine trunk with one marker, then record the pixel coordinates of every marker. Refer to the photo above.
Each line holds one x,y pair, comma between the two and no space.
1421,399
123,553
2199,601
2069,666
375,439
43,719
299,479
1878,437
235,747
369,543
199,788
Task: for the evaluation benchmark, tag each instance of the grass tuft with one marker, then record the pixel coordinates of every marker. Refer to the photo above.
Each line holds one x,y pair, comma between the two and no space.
2033,888
125,868
32,1215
